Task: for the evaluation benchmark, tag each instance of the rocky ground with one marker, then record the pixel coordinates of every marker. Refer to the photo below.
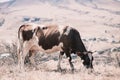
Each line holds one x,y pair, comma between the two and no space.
98,22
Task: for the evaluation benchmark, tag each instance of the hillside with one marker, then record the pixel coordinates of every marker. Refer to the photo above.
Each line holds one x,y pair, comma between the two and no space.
98,22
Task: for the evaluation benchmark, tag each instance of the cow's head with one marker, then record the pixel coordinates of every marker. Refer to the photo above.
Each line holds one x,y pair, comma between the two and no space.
87,59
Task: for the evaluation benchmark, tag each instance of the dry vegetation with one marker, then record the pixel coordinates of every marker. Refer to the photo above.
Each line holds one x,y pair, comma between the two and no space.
98,22
105,68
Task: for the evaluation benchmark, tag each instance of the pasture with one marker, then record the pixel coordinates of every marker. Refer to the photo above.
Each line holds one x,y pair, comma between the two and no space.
98,22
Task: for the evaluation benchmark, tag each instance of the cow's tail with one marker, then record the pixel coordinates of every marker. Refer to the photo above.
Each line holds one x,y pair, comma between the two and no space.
19,43
20,38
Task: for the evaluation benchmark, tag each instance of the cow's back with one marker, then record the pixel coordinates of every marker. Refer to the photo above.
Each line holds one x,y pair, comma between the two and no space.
72,40
51,37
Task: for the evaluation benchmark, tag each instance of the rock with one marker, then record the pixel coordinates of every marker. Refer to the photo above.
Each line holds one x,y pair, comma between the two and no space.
26,19
116,49
35,19
2,20
4,55
102,39
92,39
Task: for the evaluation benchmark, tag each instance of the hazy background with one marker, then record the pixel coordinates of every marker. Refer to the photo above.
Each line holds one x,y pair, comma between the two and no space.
98,22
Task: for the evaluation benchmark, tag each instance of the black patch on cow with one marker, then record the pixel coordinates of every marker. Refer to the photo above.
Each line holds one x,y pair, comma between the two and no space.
75,41
51,40
27,35
87,62
44,28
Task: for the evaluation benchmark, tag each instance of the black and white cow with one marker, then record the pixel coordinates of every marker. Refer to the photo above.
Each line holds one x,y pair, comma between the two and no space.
34,38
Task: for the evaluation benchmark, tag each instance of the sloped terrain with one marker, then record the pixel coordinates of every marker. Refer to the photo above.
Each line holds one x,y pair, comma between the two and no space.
98,22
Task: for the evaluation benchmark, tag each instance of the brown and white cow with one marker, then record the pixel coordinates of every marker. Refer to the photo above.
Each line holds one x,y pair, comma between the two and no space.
33,38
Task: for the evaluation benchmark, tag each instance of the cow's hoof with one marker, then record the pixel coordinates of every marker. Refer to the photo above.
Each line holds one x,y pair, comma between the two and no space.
36,68
90,71
72,71
59,70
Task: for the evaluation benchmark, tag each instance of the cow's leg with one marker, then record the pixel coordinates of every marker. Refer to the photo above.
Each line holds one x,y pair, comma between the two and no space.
81,55
71,65
59,62
33,50
18,56
70,59
19,59
31,57
23,55
25,50
20,48
19,52
91,63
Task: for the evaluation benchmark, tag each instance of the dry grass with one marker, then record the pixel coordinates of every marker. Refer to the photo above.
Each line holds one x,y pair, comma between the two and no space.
100,23
48,71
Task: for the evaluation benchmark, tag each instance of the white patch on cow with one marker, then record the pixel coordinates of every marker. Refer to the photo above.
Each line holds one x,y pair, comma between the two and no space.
68,31
68,58
61,44
35,39
85,53
41,26
24,45
33,25
90,56
60,28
